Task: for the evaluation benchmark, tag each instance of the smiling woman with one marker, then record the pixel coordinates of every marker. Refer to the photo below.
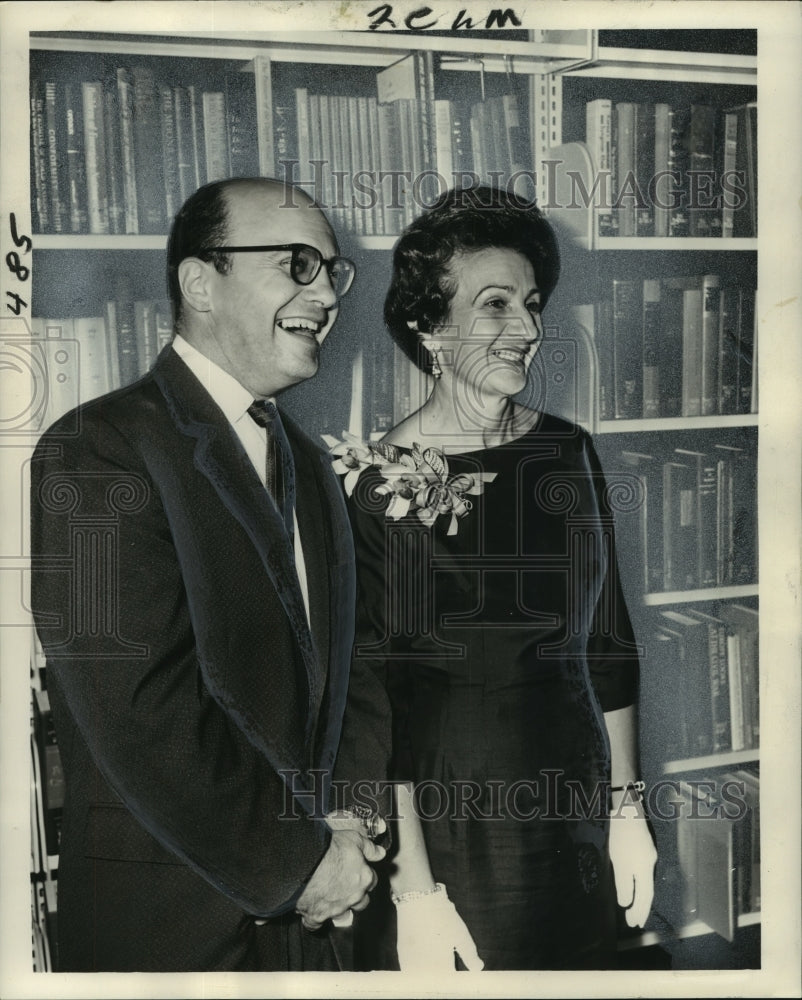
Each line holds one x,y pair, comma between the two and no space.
489,603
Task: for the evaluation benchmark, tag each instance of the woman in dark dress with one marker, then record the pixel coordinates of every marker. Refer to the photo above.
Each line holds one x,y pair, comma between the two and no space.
489,602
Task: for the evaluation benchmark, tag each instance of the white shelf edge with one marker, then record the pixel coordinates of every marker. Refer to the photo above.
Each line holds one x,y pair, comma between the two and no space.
682,243
727,758
695,929
96,241
648,425
676,66
701,594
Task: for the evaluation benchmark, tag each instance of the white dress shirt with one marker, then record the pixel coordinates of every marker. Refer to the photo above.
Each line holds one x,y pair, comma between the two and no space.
234,400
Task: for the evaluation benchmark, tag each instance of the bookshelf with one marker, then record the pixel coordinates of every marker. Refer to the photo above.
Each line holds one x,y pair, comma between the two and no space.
552,77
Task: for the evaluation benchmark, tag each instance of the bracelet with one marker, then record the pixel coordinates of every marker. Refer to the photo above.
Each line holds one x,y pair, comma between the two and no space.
407,897
638,786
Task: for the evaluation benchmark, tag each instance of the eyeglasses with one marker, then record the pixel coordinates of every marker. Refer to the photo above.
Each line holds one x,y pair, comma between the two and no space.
305,264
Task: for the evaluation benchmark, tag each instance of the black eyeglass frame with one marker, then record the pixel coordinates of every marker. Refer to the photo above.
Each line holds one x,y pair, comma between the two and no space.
295,248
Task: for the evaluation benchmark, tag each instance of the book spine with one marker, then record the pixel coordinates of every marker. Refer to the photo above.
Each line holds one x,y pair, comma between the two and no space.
95,148
110,323
377,208
691,352
94,377
215,138
662,181
184,145
711,296
728,167
51,771
644,167
628,347
598,138
41,195
729,308
145,331
651,348
626,181
364,135
746,342
148,151
169,152
305,169
736,690
701,159
76,164
263,84
54,158
196,128
125,336
603,337
125,103
114,181
164,324
679,120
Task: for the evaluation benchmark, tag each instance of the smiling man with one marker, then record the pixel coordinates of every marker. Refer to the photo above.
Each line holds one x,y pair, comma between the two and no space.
193,590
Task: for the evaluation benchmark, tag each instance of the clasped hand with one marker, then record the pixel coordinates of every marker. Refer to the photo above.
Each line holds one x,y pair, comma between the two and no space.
344,878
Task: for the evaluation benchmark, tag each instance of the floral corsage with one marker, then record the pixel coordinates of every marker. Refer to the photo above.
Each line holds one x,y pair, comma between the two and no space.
417,481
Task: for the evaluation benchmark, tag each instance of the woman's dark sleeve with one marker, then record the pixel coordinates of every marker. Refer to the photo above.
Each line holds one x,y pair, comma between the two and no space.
612,653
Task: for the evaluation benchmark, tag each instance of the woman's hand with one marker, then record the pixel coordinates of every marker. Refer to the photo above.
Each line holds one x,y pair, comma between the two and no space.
634,856
430,931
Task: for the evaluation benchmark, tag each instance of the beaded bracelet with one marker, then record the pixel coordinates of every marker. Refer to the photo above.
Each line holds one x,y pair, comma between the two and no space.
407,897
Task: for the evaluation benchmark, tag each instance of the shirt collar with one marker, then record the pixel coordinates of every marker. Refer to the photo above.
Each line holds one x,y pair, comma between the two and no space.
232,397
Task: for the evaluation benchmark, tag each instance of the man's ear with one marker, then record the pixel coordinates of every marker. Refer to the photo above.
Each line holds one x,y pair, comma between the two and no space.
194,280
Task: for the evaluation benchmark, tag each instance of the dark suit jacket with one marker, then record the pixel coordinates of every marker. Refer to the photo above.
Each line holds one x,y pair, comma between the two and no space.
197,713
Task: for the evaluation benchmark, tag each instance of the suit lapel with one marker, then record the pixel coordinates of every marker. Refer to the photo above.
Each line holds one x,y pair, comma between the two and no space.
220,457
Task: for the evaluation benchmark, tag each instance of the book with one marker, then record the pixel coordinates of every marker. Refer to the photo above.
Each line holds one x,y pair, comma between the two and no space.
125,104
76,162
194,100
745,213
694,652
680,560
114,180
598,138
94,375
148,151
627,297
678,165
40,196
715,858
184,145
719,676
746,345
670,361
172,193
121,319
709,347
627,196
705,473
728,177
263,110
743,622
215,135
164,324
649,470
728,347
95,150
55,158
692,303
704,217
644,127
659,192
145,333
737,546
242,124
652,341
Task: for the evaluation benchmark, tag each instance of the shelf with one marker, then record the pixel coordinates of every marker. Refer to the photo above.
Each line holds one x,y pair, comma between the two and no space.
695,929
701,594
97,241
351,48
681,243
678,423
728,758
667,66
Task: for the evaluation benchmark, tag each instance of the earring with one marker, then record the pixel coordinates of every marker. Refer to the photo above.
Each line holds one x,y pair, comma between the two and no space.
436,370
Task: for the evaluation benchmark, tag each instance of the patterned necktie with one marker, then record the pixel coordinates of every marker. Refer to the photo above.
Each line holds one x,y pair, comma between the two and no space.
279,466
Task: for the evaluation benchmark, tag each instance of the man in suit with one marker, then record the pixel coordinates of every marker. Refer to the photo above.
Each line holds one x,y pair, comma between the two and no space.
193,589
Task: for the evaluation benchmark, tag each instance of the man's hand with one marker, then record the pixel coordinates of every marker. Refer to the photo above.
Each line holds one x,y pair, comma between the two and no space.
633,855
343,879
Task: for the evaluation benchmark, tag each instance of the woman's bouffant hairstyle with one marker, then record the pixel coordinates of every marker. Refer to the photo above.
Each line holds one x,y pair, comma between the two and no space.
461,221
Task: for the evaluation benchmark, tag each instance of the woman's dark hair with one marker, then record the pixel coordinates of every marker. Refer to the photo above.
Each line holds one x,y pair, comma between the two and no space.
201,222
461,221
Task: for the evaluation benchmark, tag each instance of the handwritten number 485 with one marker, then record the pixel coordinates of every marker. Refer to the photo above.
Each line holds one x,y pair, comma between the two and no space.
15,265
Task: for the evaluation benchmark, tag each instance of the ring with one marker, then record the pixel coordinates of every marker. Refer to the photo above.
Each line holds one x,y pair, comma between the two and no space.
369,817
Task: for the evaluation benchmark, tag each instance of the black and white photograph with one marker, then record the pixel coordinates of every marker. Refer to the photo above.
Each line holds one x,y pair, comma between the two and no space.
401,454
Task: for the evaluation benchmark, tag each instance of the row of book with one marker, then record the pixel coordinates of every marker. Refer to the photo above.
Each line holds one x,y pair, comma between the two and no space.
697,517
708,663
718,848
679,346
86,356
122,154
673,170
